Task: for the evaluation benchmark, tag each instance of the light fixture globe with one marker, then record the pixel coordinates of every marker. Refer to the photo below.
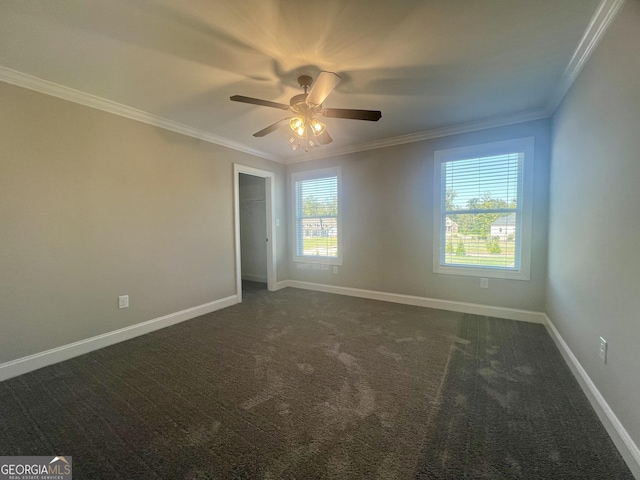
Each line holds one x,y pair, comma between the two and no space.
298,125
317,127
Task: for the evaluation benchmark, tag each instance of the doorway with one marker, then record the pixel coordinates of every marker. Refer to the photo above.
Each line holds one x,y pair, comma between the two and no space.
254,227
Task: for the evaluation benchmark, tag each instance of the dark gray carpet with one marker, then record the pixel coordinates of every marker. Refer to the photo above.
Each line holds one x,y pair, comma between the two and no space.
511,409
298,384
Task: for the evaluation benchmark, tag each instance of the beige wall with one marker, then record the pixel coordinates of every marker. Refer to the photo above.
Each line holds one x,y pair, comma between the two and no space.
93,206
594,241
387,223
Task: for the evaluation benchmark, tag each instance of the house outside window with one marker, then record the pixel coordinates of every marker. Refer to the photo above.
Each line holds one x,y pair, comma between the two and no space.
483,209
317,229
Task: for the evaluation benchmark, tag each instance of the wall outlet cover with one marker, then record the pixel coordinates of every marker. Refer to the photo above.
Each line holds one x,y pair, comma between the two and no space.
603,350
123,301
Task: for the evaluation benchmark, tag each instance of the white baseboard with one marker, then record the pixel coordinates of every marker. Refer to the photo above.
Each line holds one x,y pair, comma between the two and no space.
282,284
623,441
254,277
65,352
463,307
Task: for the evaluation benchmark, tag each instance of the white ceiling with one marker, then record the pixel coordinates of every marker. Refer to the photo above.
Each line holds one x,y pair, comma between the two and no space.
426,64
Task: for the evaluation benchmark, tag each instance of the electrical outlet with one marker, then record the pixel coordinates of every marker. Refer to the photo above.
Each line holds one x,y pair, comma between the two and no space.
484,283
123,301
603,350
335,269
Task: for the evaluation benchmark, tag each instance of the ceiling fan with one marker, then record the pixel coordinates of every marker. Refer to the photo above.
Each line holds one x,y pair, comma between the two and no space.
308,130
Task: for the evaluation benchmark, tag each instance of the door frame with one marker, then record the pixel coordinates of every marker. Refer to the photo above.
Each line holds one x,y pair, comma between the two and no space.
271,228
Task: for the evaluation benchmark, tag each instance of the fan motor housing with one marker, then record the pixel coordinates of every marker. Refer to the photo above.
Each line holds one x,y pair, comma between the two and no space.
297,99
299,106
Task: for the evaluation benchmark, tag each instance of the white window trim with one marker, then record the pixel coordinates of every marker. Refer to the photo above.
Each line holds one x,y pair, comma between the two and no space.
310,175
524,145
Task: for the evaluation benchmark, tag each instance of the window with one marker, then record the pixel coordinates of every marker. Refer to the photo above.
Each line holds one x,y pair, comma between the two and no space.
317,213
483,204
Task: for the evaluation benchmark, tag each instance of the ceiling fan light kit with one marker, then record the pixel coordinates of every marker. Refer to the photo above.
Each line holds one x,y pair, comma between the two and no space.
304,106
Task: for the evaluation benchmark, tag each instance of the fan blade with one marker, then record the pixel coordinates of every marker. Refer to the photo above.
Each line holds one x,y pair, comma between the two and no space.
323,86
371,115
324,138
272,128
257,101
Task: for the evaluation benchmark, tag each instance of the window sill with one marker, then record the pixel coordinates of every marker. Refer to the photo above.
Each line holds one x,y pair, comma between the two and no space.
317,261
483,272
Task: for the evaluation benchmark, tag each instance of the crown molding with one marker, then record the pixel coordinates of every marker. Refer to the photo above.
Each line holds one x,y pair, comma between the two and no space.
600,22
56,90
426,135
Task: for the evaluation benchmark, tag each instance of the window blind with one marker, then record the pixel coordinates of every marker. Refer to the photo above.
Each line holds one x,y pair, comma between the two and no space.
316,209
481,212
